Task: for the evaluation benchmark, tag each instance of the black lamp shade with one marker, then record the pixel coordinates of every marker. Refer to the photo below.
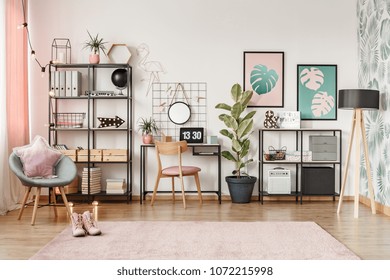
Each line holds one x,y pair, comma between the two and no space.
358,99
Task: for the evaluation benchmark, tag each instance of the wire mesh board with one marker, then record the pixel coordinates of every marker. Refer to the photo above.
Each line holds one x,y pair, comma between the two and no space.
192,93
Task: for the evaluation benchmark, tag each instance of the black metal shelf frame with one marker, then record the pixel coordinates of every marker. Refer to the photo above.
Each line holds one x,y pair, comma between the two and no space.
299,140
91,130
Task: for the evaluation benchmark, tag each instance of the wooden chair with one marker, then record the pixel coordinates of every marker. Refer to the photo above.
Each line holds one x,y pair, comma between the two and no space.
179,171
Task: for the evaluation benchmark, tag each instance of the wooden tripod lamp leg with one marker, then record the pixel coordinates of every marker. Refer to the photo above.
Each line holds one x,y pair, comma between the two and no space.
368,168
347,162
357,162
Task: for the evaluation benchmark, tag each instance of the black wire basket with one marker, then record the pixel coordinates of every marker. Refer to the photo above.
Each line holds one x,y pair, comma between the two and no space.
68,120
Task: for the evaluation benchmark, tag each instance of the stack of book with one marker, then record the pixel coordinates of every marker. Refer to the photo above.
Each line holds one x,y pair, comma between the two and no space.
95,177
115,186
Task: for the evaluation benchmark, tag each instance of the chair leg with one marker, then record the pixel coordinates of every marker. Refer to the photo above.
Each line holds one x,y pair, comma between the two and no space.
65,200
182,191
26,194
53,197
155,189
196,176
173,189
37,196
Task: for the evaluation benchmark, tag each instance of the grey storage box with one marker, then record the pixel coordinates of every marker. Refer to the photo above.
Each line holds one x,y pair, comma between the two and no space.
323,148
318,180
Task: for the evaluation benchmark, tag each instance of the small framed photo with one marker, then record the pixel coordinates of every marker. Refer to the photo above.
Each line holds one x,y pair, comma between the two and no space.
289,119
264,74
317,91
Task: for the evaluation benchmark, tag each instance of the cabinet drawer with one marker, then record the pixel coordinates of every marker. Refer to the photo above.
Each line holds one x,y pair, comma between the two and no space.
324,156
323,148
322,140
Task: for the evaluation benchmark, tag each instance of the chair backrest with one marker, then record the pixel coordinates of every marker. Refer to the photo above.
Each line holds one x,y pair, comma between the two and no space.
66,171
169,149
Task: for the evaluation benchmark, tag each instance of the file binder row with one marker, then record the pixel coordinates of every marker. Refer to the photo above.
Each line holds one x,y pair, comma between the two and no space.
66,83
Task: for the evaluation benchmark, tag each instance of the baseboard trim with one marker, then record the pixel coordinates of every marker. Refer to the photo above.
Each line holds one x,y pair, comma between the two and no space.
378,206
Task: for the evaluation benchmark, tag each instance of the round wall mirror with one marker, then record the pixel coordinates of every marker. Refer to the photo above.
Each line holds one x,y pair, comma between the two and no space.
179,112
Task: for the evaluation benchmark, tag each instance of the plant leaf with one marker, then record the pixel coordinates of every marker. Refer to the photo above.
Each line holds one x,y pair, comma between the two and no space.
236,111
236,92
249,115
226,133
246,97
223,106
230,122
236,145
228,156
244,128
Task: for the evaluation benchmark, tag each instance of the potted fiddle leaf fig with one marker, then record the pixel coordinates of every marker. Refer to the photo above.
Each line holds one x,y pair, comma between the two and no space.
239,125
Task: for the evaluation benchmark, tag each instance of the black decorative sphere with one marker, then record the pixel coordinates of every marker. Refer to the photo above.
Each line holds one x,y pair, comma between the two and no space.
119,78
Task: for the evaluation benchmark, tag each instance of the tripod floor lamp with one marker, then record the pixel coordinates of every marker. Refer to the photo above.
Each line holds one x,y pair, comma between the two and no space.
358,100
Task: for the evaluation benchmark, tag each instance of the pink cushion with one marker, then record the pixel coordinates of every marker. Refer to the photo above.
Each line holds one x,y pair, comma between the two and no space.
38,158
174,170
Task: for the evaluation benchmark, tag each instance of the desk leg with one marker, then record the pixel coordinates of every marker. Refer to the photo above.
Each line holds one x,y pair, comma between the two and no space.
141,177
219,175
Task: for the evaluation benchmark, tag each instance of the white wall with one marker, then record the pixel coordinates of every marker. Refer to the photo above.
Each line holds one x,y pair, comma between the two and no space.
202,40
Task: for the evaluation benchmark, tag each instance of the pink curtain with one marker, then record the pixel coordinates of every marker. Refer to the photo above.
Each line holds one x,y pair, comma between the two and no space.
14,101
16,77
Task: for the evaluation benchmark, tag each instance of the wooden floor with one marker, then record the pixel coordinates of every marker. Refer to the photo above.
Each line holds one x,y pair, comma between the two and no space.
368,236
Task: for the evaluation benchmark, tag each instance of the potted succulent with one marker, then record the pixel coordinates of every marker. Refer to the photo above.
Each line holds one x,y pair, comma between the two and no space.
239,127
95,44
148,127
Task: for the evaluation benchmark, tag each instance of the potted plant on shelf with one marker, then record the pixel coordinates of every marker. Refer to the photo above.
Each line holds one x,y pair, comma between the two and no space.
239,128
148,127
95,44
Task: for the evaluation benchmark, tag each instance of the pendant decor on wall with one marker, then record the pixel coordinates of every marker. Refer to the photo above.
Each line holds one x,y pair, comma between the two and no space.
190,98
271,121
108,122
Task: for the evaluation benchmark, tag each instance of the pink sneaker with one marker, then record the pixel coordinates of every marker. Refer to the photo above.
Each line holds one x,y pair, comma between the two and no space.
77,225
89,224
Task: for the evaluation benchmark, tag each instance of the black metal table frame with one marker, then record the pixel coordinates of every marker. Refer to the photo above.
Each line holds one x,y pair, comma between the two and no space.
143,157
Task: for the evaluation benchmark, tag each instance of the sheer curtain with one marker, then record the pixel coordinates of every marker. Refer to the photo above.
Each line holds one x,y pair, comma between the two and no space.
14,126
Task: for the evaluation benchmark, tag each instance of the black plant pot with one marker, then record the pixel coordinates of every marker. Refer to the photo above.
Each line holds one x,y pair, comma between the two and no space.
241,189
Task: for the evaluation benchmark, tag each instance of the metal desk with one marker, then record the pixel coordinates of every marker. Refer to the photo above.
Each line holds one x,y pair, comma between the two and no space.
213,150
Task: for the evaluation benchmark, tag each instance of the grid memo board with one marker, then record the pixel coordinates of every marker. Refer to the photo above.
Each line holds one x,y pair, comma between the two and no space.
196,93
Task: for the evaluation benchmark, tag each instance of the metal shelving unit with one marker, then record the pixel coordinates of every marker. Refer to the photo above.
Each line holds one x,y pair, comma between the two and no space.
92,132
301,136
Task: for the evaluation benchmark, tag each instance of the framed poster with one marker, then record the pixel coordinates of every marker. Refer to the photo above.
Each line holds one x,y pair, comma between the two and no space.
317,91
264,74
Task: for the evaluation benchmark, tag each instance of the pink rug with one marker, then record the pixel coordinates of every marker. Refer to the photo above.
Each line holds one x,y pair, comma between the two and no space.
199,241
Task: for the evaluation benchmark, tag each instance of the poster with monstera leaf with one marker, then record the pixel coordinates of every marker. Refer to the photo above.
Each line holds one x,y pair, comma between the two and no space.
317,92
264,74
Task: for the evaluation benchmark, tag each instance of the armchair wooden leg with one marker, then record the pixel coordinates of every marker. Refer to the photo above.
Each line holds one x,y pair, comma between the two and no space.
65,201
196,176
53,197
26,194
37,196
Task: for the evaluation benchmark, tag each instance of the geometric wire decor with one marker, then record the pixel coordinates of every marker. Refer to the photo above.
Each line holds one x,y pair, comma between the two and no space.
195,95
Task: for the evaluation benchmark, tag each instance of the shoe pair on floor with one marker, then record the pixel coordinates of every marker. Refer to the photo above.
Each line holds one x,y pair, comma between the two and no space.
84,223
